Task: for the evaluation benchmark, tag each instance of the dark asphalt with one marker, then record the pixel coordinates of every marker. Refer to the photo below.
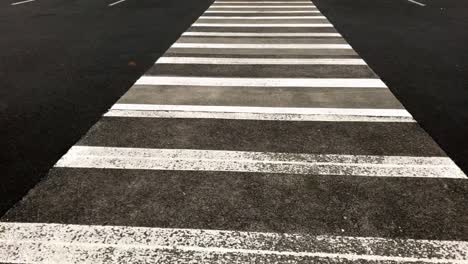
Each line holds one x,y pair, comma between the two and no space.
65,62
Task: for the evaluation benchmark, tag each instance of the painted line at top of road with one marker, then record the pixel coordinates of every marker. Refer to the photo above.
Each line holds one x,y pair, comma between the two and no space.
262,2
262,82
60,243
22,2
416,2
116,3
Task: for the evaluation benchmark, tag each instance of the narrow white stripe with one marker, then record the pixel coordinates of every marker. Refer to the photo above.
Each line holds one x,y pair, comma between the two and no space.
259,46
260,17
261,82
22,2
58,243
273,12
258,162
260,113
292,25
257,61
415,2
118,2
260,6
260,34
262,2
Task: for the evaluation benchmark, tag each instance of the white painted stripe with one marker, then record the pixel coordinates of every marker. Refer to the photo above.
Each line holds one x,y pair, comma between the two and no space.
262,82
259,25
258,46
258,162
261,2
58,243
22,2
257,61
260,113
260,6
273,12
259,34
415,2
116,3
260,17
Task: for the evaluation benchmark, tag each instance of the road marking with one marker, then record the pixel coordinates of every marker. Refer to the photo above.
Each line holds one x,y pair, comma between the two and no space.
59,243
273,12
415,2
257,61
260,113
258,46
258,25
262,17
22,2
260,6
260,34
262,2
258,162
262,82
118,2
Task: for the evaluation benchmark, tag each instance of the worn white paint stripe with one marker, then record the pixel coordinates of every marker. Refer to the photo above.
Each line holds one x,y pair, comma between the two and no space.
260,11
261,17
260,6
22,2
58,243
262,2
261,82
258,61
257,162
416,2
116,3
258,46
292,25
256,116
259,34
260,113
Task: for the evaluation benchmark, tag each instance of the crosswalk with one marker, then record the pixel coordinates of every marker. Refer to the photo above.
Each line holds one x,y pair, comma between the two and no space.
260,136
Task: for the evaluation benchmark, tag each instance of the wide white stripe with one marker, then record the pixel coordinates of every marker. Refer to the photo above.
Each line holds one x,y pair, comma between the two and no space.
260,113
259,46
258,25
22,2
262,2
261,17
58,243
273,12
258,61
261,82
258,162
260,6
260,34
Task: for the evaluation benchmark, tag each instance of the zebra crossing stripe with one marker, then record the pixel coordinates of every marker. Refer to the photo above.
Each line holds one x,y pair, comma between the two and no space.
259,162
59,243
262,17
260,6
258,25
260,113
258,61
264,11
259,34
259,46
262,82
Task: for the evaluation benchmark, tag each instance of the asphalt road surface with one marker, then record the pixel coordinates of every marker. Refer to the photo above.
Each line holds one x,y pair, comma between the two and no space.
259,136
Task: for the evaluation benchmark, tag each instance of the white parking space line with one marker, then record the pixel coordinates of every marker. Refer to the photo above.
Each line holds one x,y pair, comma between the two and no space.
417,3
22,2
116,3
